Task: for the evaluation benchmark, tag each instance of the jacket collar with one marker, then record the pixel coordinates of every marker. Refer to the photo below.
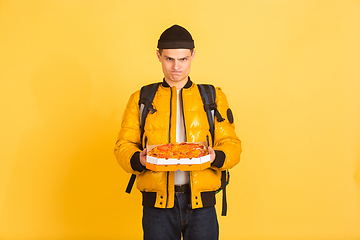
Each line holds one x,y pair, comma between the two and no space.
187,85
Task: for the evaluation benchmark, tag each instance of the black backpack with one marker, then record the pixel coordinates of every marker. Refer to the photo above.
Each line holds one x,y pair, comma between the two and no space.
208,96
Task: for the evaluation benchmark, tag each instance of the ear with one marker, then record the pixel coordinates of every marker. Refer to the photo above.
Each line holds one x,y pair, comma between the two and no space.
193,55
158,55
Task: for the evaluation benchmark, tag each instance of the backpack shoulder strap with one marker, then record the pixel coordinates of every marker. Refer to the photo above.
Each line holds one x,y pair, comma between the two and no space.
147,94
208,95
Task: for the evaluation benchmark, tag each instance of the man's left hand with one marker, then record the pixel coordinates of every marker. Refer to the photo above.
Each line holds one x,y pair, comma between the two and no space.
212,154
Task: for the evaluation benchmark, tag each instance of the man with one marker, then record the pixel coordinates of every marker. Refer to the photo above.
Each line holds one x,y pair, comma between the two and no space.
182,202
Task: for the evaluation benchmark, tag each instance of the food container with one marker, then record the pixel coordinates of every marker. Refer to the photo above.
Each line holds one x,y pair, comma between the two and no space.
174,164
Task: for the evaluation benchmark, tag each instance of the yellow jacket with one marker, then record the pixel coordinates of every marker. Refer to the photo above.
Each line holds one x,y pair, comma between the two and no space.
160,128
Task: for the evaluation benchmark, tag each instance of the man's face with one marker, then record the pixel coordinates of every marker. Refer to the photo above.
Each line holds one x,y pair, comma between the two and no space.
176,65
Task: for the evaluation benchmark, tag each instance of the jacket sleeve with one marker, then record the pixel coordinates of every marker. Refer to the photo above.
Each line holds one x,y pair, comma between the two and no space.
128,144
227,145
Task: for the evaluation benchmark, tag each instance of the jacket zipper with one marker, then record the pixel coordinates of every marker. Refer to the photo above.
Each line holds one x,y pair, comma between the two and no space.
167,189
171,96
183,115
167,173
182,111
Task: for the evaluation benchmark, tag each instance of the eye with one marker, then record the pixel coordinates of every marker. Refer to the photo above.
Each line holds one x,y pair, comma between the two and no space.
169,59
183,59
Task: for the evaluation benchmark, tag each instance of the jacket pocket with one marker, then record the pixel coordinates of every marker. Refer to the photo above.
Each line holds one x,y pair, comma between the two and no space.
144,141
150,181
209,140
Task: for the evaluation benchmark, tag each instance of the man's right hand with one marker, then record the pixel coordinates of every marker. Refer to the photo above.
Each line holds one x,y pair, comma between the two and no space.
143,157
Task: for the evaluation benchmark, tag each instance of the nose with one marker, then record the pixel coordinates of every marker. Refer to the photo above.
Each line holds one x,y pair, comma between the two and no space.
176,65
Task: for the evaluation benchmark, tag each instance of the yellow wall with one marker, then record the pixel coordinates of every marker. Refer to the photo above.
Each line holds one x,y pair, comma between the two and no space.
290,70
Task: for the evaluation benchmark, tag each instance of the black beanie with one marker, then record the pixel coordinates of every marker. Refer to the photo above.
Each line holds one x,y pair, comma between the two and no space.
175,37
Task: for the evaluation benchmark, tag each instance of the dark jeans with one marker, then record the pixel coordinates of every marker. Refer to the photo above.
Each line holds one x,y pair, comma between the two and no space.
170,223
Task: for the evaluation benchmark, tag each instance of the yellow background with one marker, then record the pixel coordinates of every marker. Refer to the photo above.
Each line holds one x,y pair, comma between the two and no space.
290,70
